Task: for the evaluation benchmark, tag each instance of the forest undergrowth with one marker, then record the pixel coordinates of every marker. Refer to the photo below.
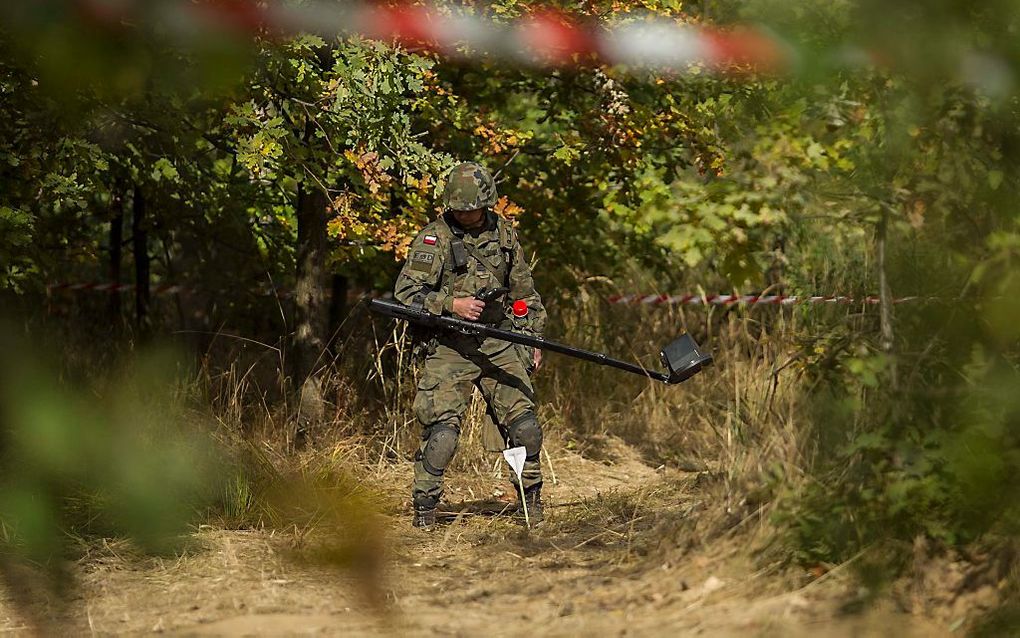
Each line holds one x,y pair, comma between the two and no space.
745,428
742,433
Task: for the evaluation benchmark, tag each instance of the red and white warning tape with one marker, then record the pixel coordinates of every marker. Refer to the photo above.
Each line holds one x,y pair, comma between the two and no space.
158,290
165,289
545,37
727,300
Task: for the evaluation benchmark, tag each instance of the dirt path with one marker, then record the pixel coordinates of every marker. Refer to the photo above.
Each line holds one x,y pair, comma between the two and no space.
610,560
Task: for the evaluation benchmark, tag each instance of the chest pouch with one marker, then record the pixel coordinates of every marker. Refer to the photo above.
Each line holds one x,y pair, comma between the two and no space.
458,254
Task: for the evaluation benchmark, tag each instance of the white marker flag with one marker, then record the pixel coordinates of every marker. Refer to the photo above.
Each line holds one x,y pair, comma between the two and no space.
515,458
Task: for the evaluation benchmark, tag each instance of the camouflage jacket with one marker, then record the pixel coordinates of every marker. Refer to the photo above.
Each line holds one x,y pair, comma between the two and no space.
489,258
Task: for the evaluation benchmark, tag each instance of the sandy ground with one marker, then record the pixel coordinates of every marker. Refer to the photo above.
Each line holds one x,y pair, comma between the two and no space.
615,557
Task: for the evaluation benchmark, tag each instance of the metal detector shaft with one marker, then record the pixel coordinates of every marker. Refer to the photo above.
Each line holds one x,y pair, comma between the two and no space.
422,317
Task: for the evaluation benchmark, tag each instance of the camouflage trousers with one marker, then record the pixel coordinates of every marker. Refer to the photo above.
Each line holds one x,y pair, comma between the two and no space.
453,368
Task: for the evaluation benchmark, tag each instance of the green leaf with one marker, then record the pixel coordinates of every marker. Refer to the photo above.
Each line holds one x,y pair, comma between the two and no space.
566,154
163,169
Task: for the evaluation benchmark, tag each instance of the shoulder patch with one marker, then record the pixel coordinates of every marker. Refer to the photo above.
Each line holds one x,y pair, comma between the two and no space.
422,260
430,240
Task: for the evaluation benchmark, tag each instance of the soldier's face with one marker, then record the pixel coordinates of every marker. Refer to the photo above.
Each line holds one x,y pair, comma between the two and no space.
469,218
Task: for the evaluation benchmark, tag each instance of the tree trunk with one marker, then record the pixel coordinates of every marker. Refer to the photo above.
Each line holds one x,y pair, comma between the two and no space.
116,249
140,240
775,274
885,299
311,309
310,304
337,309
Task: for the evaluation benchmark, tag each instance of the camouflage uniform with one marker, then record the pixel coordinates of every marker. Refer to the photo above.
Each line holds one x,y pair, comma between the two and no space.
446,262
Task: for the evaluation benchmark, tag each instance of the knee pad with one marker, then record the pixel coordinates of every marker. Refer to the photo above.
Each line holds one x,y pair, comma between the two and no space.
440,448
525,431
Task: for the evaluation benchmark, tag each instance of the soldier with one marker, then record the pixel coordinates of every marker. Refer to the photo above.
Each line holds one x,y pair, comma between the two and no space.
470,249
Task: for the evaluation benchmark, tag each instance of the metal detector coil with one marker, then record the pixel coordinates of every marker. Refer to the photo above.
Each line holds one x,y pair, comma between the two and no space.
683,359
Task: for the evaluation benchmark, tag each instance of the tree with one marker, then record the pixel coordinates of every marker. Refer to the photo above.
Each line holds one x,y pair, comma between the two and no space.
331,127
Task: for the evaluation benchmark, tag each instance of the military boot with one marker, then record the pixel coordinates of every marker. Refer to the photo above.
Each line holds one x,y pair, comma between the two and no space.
424,517
424,513
533,499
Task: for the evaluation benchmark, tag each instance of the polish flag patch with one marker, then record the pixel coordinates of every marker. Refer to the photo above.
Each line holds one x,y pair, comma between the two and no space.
430,240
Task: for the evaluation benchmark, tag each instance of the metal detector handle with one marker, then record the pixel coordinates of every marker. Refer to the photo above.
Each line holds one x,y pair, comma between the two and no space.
491,294
685,362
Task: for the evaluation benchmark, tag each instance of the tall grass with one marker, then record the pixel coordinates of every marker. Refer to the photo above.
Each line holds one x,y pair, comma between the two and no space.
792,389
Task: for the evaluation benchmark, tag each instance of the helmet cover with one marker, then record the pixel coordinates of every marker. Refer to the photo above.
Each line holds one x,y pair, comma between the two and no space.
468,187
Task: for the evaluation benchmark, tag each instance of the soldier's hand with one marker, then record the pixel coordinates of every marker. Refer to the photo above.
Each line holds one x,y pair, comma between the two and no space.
537,358
468,308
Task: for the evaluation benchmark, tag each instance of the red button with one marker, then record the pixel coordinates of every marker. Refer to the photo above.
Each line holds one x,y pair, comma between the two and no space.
520,308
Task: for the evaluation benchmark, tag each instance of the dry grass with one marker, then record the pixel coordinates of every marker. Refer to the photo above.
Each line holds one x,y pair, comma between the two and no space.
735,426
739,420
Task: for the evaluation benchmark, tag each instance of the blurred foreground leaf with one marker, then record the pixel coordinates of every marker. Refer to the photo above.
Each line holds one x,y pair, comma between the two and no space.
129,453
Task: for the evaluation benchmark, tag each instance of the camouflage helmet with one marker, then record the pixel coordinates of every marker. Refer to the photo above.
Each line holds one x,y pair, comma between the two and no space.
469,186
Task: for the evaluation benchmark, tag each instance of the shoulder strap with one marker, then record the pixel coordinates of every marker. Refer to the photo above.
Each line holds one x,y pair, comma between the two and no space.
457,256
508,242
507,234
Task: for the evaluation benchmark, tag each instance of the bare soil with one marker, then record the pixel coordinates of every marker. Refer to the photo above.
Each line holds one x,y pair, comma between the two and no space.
624,551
